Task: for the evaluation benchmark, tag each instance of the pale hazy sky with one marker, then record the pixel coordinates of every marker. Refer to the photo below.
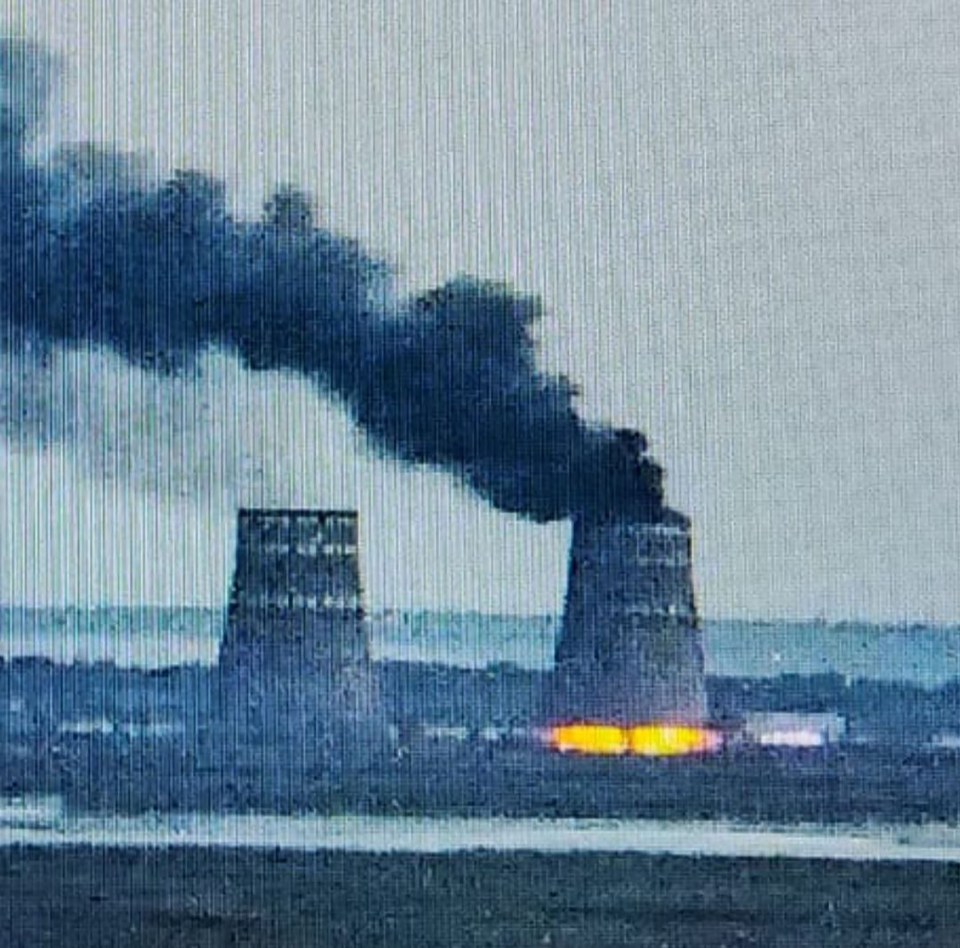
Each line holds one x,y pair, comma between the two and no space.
743,217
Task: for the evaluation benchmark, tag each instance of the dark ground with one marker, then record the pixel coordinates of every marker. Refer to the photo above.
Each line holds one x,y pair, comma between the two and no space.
193,897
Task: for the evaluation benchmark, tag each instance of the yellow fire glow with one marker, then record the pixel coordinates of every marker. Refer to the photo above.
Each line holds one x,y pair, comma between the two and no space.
642,740
665,740
606,739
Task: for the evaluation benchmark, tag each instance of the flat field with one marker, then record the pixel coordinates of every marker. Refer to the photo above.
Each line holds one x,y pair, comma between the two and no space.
218,897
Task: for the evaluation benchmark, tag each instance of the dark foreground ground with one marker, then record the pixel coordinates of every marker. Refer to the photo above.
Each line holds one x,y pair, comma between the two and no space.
80,897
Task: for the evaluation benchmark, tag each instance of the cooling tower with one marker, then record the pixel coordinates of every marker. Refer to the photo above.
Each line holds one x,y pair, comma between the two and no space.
295,617
630,649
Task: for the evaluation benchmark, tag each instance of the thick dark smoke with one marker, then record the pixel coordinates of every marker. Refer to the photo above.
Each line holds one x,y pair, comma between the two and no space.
93,256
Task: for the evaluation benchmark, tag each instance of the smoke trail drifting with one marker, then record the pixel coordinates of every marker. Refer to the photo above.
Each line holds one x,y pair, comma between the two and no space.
93,256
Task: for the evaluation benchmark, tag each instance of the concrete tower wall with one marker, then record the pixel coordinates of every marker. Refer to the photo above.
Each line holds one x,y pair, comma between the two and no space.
296,609
631,647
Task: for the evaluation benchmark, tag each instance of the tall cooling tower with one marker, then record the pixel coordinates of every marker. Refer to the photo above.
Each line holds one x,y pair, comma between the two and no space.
631,647
295,614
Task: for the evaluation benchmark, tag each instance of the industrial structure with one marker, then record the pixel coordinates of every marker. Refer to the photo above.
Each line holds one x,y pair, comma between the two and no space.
295,616
631,646
630,650
297,718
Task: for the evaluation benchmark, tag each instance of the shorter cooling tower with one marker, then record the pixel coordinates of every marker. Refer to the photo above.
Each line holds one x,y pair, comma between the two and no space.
295,617
630,649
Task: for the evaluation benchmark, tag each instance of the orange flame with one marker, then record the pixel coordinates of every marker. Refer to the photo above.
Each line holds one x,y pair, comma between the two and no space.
606,739
669,740
642,740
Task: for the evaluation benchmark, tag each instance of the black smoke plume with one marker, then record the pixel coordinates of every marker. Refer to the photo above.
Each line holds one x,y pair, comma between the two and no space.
91,255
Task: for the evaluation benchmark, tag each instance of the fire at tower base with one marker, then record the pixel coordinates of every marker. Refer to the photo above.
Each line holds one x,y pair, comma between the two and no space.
630,653
629,668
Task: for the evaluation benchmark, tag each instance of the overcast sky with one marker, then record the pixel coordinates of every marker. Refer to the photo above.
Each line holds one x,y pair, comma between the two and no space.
743,217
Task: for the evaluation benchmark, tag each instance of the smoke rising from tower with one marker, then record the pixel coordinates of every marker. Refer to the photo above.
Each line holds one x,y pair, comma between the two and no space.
94,256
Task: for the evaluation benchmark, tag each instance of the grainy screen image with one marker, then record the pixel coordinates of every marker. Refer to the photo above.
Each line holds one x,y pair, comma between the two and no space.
479,473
